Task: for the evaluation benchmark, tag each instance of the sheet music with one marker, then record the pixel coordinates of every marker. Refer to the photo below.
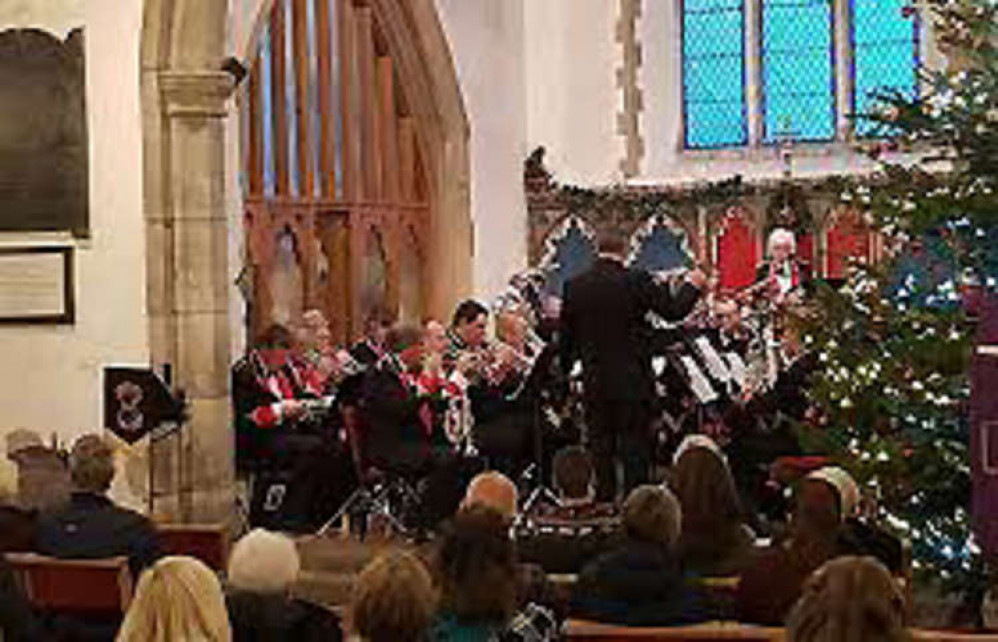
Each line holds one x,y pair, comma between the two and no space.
737,367
715,365
698,382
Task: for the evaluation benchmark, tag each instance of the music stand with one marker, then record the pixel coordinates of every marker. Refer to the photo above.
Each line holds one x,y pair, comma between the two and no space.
137,402
532,386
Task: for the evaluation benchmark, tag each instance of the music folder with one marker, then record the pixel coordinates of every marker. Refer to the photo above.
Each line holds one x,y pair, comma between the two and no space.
137,401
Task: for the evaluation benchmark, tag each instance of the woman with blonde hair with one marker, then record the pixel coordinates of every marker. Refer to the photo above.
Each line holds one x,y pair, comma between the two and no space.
178,598
850,599
394,600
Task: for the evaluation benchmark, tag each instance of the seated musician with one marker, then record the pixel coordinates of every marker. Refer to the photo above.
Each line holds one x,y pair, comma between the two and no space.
493,372
268,395
370,349
786,275
315,356
730,331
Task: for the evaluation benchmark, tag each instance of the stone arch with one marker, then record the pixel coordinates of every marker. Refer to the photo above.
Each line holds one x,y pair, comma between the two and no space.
185,104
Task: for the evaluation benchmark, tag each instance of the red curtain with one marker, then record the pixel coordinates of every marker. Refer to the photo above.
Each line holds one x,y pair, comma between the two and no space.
737,252
848,238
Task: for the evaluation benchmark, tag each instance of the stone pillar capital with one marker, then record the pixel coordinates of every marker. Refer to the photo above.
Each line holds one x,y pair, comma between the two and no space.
196,94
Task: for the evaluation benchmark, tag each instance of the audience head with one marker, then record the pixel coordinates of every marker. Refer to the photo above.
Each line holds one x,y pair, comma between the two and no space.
611,242
572,473
394,600
478,566
494,490
178,598
264,562
470,322
849,599
844,487
434,337
273,345
652,514
782,244
91,464
706,490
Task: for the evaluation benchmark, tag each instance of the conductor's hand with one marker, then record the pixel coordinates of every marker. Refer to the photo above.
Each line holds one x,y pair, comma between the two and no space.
697,278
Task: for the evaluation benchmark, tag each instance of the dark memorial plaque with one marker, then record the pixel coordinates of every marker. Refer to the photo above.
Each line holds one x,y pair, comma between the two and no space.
43,133
136,402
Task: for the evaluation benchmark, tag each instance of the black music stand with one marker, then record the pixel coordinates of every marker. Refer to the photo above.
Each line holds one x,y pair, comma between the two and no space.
137,402
532,390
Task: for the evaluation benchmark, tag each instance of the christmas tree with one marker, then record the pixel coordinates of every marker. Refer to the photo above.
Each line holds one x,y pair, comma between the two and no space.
893,344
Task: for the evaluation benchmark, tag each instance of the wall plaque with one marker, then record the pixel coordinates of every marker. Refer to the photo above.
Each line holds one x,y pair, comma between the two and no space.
36,285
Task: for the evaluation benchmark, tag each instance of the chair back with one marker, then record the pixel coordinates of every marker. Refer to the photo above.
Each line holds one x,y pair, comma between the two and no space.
97,587
714,632
206,542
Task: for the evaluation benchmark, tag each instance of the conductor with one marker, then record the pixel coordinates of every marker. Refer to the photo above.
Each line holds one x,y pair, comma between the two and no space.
604,325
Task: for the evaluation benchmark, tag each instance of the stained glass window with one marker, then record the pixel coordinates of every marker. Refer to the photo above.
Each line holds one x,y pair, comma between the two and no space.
885,54
797,70
662,249
574,254
713,73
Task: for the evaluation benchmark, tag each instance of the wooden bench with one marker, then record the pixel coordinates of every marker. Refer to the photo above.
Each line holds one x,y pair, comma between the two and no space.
711,632
206,542
92,587
725,631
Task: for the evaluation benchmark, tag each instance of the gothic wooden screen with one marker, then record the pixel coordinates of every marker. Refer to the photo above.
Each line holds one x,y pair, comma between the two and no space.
332,169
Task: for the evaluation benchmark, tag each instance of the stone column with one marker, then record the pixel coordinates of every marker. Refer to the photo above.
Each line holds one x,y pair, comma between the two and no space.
195,104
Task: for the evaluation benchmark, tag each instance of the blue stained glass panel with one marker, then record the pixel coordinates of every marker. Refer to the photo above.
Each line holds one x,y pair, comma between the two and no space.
885,54
713,73
574,255
661,250
798,70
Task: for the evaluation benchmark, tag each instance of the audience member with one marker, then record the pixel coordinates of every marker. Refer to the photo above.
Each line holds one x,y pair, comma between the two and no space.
90,525
263,567
770,586
850,599
177,598
477,570
563,537
640,583
714,540
17,623
494,490
394,600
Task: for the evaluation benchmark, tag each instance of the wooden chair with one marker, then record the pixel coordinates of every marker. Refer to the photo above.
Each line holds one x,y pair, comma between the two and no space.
712,632
88,587
206,542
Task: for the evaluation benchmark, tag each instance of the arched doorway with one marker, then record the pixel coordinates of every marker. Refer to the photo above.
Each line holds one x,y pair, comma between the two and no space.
341,141
186,104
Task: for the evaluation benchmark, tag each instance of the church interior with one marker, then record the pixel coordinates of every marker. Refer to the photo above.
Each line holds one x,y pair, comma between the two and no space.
498,319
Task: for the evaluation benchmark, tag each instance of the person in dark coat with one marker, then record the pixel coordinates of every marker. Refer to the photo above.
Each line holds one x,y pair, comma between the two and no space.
641,582
604,325
90,526
262,568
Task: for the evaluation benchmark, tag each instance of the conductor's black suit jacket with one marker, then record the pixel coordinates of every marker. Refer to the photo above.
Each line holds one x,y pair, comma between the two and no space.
604,324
